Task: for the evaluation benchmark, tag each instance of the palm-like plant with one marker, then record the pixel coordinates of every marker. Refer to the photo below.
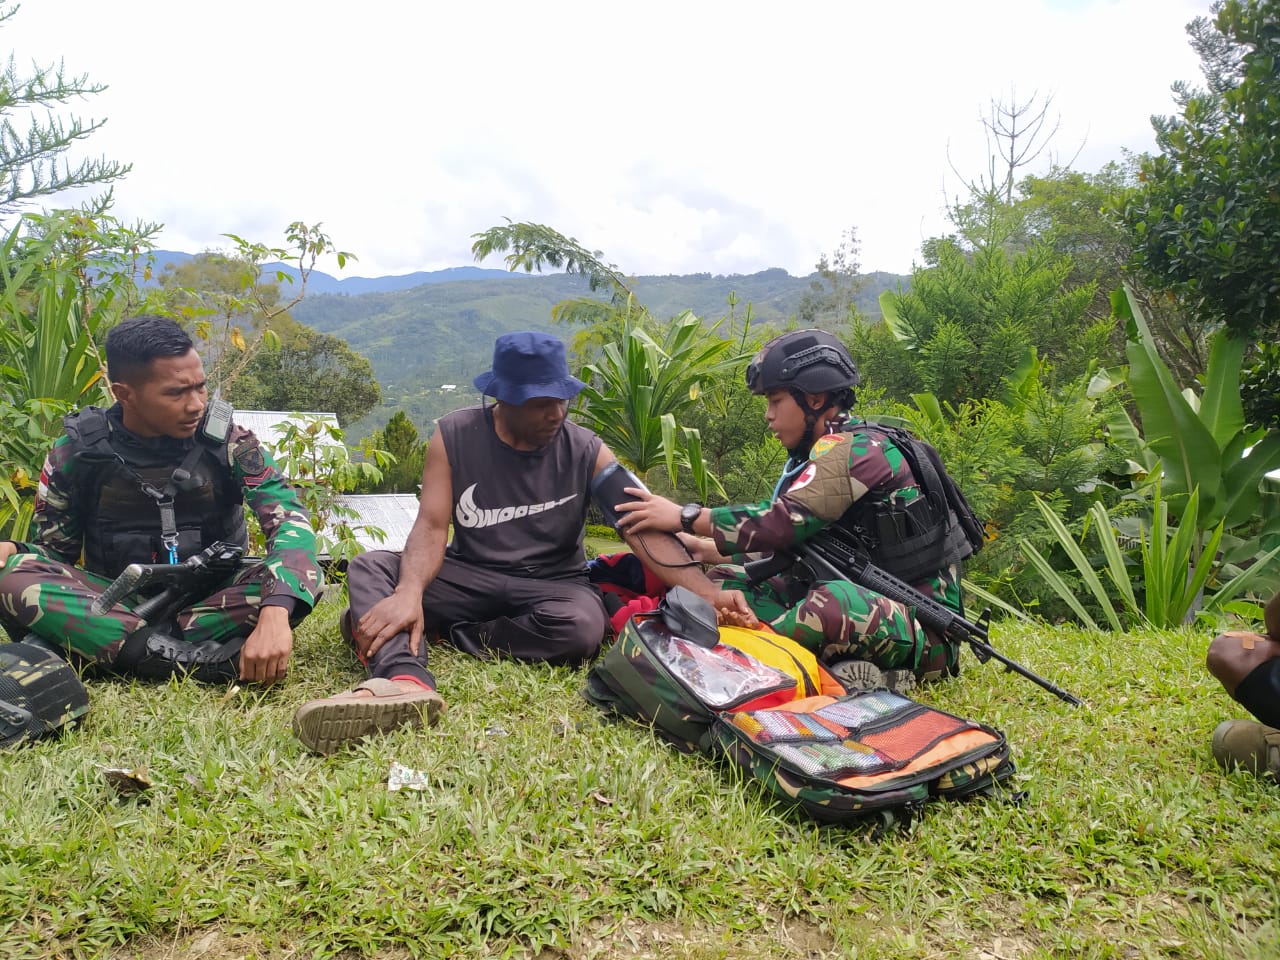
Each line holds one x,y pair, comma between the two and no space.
63,281
638,387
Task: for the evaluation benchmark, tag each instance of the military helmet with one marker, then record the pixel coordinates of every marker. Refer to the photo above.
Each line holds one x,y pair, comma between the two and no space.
39,692
812,361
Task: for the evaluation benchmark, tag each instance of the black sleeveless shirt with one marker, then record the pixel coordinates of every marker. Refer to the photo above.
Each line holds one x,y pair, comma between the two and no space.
520,512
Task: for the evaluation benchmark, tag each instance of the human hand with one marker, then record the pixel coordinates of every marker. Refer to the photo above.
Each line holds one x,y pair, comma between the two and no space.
399,613
702,549
732,609
265,655
647,511
7,551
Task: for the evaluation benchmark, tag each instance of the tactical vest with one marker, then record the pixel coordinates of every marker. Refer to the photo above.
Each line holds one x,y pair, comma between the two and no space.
916,539
122,522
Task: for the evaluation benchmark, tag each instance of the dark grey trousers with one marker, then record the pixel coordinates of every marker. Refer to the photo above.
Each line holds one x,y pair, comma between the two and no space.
551,621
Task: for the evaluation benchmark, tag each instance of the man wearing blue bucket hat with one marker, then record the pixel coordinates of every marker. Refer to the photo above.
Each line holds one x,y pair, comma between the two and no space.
514,477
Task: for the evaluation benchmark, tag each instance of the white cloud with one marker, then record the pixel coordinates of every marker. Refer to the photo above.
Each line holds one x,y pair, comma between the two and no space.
675,137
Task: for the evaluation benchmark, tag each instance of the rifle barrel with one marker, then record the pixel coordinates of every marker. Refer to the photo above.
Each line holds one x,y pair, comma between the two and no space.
828,551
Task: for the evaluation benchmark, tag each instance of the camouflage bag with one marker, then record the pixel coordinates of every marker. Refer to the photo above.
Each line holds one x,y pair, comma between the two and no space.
834,755
678,686
843,758
39,693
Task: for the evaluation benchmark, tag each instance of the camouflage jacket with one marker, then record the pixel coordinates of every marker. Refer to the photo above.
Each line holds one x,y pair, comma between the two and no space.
292,569
842,469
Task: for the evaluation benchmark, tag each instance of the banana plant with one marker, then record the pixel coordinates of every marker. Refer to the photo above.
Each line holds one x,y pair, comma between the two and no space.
64,279
1203,443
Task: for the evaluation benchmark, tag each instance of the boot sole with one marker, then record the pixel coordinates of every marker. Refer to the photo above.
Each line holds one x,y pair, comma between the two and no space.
901,682
856,675
328,727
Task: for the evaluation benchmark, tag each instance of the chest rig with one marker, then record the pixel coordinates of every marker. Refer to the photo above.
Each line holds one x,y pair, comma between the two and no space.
139,508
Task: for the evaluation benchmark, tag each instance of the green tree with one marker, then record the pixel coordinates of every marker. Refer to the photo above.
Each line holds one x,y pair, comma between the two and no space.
1205,220
833,291
973,319
534,247
1074,212
230,307
399,438
218,297
33,156
307,370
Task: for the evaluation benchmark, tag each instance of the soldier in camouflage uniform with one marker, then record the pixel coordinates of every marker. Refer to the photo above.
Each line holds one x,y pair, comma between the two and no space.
834,469
98,510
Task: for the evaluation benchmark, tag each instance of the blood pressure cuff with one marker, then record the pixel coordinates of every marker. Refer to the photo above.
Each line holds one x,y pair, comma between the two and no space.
39,693
607,490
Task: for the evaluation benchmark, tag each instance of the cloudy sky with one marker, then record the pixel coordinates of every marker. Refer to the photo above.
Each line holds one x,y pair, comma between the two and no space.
676,137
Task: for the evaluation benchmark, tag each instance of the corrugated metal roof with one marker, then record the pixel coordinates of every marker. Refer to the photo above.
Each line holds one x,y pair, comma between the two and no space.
268,424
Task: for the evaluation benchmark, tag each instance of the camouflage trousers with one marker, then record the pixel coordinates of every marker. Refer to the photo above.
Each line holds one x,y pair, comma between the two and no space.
52,600
837,619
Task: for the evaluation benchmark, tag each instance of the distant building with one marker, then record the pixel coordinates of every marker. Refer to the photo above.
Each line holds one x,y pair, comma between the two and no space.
269,425
392,513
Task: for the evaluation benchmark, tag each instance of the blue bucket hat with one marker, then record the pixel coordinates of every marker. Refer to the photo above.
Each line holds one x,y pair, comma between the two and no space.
527,365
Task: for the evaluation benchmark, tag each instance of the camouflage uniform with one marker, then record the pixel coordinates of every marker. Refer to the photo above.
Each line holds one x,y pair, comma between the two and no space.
835,619
43,590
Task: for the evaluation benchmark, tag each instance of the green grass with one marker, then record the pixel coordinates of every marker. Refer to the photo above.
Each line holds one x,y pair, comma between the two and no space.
549,833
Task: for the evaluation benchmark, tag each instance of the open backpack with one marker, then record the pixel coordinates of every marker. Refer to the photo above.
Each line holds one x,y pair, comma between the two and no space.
763,702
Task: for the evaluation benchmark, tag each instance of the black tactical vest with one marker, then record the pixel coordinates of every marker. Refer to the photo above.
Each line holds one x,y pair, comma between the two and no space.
122,522
914,540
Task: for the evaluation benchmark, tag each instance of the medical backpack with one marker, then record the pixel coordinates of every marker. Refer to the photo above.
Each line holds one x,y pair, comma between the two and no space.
763,702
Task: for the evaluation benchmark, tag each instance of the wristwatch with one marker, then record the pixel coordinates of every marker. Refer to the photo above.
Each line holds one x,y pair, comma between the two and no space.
689,515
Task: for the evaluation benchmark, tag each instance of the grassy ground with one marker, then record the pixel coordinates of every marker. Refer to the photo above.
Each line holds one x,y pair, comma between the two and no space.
548,833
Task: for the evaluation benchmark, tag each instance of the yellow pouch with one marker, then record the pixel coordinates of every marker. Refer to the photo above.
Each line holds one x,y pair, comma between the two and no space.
783,653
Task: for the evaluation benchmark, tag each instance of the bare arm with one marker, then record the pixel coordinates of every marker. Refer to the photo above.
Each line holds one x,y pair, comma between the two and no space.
419,563
667,559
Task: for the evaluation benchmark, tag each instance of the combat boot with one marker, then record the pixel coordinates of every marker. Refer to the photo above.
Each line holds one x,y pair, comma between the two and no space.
1249,745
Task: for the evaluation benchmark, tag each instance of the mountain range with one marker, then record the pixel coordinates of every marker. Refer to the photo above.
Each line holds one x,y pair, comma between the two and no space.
427,334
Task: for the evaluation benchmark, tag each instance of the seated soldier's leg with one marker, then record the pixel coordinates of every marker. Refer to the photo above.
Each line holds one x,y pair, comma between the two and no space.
842,620
52,600
213,631
560,622
1248,667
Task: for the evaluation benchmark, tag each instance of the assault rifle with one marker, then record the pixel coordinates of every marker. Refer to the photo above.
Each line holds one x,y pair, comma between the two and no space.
182,582
156,649
835,554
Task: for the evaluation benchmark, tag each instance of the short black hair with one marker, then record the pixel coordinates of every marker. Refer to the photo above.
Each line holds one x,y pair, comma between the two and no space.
133,344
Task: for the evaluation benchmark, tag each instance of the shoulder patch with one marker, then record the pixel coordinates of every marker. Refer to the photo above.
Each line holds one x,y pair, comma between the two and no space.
824,445
251,461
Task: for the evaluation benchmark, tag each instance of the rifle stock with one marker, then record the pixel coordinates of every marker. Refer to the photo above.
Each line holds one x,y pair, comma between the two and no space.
833,554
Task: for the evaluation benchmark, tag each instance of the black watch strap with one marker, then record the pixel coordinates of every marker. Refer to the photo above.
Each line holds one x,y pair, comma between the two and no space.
689,515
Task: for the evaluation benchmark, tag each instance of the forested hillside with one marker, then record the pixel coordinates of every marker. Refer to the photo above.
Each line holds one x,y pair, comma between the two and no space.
442,333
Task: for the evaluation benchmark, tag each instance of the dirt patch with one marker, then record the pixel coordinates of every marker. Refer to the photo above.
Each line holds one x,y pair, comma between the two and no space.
793,939
790,939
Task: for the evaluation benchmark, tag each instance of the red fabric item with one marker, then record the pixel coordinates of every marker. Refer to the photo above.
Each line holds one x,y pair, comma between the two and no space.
417,680
628,610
